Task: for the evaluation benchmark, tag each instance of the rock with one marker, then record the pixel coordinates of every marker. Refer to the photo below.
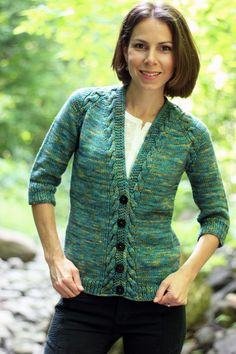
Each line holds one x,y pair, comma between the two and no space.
35,293
220,334
37,349
231,300
14,244
16,262
221,294
26,308
227,344
42,326
6,318
27,301
4,283
20,346
225,317
38,264
227,310
205,336
189,347
10,294
4,333
220,277
233,264
3,351
30,336
4,266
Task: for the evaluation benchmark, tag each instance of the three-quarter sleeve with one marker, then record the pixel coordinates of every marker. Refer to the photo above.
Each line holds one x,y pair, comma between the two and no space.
55,152
208,190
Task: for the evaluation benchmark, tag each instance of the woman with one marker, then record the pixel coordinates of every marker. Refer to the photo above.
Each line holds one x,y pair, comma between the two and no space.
119,274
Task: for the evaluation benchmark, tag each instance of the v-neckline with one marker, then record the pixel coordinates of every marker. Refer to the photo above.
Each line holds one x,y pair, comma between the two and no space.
149,141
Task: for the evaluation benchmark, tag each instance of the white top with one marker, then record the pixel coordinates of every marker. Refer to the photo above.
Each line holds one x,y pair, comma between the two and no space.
134,138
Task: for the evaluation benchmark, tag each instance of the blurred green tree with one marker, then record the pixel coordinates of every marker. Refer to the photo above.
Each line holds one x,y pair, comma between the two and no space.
31,82
50,48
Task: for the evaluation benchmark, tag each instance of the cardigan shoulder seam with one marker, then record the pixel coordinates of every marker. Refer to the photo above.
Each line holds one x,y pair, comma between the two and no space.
193,128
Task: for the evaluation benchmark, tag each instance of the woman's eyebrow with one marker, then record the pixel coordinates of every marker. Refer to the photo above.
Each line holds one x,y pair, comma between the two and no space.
165,42
143,41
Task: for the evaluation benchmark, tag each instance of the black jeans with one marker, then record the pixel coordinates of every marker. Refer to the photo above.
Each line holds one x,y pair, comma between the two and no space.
88,324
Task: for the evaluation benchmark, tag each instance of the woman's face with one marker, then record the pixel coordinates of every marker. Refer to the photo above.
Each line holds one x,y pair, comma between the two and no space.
149,55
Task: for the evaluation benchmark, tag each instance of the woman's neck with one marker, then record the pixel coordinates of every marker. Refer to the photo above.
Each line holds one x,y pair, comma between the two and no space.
144,105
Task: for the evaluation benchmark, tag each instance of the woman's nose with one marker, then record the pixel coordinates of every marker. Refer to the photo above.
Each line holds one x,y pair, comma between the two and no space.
151,57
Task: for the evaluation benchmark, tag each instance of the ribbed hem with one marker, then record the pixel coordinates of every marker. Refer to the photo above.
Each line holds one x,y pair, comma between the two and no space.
216,228
142,292
93,287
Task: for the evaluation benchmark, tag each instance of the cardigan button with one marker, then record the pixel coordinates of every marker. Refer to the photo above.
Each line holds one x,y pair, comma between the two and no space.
120,290
123,199
121,222
119,268
120,246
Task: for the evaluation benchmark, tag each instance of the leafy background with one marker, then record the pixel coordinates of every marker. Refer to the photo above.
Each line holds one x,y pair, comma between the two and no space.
49,48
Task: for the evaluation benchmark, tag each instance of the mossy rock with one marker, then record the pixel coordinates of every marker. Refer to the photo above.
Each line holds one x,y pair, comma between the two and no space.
225,316
199,300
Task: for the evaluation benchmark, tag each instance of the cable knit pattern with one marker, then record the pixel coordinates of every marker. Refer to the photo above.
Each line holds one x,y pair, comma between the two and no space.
114,199
119,230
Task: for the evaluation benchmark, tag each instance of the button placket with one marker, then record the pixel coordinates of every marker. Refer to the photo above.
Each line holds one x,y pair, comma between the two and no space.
120,289
119,268
123,199
121,223
120,245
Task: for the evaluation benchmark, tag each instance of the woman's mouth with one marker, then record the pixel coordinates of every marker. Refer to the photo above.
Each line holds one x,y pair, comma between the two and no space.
150,74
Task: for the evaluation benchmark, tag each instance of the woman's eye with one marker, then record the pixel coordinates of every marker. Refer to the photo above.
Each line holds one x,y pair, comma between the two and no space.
166,48
139,45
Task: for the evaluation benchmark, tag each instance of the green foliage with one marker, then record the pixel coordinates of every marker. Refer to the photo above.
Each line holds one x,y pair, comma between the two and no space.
15,213
225,319
13,195
52,47
29,76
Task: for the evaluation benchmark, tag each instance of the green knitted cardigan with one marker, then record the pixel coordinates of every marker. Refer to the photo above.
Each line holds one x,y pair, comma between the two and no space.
119,230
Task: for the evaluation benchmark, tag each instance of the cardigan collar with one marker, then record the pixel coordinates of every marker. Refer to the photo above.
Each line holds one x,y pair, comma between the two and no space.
150,141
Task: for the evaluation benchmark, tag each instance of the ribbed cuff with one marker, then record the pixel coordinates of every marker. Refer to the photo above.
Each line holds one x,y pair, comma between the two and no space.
41,197
215,227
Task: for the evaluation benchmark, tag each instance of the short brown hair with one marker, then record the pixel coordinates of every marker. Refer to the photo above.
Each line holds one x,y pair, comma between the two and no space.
187,62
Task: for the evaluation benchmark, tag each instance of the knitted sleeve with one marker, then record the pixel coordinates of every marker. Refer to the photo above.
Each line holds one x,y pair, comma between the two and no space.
208,190
55,152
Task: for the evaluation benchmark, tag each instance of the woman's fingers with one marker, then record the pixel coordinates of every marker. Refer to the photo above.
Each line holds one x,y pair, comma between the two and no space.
161,291
65,278
66,287
77,280
173,290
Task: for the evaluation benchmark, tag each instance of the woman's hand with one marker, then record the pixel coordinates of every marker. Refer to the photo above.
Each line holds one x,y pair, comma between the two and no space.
173,290
65,277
